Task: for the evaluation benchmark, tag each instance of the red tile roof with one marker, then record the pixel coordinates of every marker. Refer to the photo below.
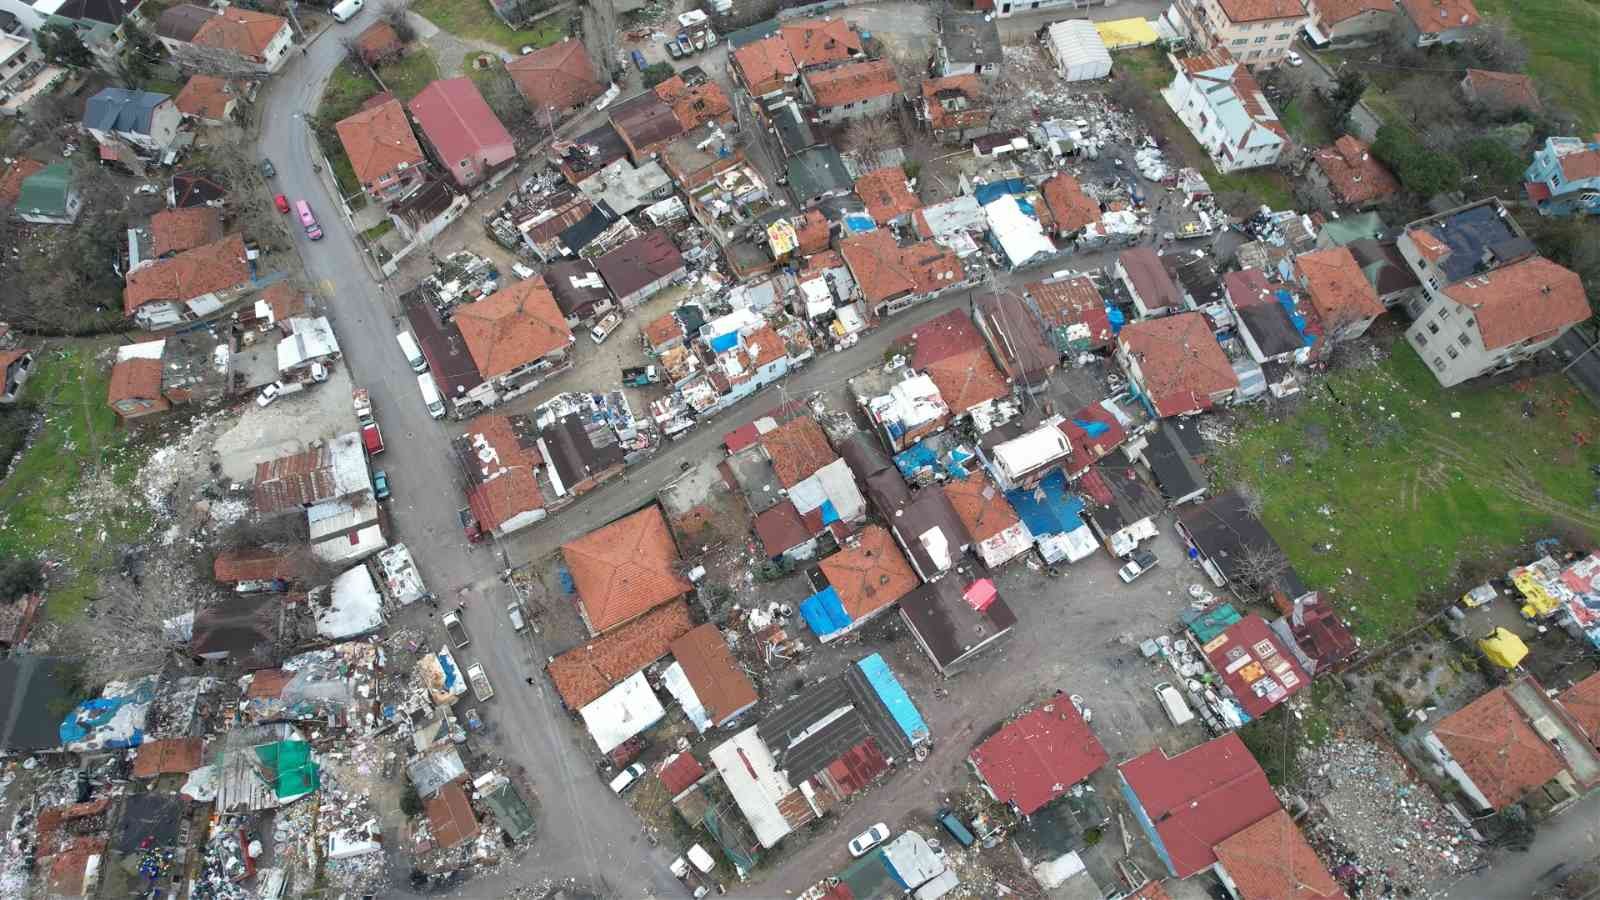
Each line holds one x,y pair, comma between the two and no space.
205,97
507,495
887,194
1580,165
585,672
243,31
797,448
1354,174
1332,12
11,182
1039,756
284,301
1271,860
1246,654
1338,289
625,568
983,509
884,270
870,575
1582,702
1247,287
1073,302
176,230
1150,278
512,327
559,76
694,106
134,379
1200,798
460,124
724,690
663,330
680,773
1503,90
977,113
1258,10
1071,208
256,564
764,61
968,379
1498,749
177,756
203,270
948,334
378,140
1434,16
817,42
450,816
852,82
1180,360
1086,449
1529,299
781,529
812,233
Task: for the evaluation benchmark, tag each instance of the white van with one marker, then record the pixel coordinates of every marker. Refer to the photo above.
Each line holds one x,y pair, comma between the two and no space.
345,10
1172,702
414,357
431,395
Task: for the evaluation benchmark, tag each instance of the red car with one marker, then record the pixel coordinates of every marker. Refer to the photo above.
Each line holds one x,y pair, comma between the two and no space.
281,202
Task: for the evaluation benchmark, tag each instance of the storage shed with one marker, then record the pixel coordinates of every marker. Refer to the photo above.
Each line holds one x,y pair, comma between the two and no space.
1078,51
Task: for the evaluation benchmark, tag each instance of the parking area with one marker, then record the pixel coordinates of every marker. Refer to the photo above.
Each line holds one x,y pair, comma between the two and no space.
289,425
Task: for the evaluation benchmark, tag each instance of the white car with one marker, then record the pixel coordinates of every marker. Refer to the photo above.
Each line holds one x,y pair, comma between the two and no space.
603,328
269,394
346,10
522,271
319,372
1140,562
868,839
1294,59
626,778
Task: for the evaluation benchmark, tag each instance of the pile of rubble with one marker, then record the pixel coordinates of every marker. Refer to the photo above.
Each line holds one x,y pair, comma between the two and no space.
1382,832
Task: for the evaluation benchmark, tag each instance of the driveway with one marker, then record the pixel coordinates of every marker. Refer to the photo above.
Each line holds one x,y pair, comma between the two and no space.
585,833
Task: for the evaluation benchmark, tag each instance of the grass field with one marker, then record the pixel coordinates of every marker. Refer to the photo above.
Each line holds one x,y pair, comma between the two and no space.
1564,39
45,513
1378,490
475,20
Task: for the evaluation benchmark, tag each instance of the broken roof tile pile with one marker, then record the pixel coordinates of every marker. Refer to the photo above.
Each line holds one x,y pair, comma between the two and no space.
625,568
974,112
1069,206
585,672
887,194
1039,756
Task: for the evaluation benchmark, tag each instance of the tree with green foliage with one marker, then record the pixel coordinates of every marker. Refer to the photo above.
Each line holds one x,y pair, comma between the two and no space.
655,73
19,577
140,55
62,45
1423,171
1490,159
1347,92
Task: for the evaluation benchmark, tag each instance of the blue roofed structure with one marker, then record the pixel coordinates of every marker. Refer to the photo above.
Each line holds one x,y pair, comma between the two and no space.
123,110
894,697
824,613
1048,507
994,190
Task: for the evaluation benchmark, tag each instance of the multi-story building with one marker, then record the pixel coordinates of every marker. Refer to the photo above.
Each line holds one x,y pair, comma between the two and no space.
1565,176
383,151
1256,32
1221,104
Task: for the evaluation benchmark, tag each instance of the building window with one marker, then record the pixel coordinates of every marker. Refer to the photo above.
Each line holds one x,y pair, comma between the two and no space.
1451,352
1464,341
1262,39
1238,41
1438,363
1433,328
1422,339
1444,312
1283,37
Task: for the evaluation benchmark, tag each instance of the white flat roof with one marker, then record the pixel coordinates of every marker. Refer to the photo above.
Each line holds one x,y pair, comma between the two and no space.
622,712
752,777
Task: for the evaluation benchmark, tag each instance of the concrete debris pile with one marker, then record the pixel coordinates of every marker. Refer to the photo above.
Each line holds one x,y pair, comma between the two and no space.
1382,832
347,825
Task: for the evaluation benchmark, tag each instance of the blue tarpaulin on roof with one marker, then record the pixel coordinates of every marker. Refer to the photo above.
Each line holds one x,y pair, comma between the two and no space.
823,612
724,342
1286,300
917,456
955,463
449,672
895,698
830,515
1114,316
988,193
1049,508
1091,427
859,224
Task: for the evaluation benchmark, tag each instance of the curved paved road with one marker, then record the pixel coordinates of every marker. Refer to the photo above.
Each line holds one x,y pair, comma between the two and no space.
586,833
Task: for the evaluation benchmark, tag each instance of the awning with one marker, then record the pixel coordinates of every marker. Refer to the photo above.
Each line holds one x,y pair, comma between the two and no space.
1317,38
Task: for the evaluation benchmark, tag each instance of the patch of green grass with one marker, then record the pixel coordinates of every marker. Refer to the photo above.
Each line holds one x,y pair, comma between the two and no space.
1377,490
484,76
1560,35
379,230
1148,65
474,19
79,440
1305,126
408,75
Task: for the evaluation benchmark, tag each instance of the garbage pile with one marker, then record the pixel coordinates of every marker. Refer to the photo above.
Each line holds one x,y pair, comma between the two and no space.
1151,164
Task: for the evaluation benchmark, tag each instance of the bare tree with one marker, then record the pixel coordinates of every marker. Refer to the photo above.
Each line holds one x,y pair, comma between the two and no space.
212,61
871,137
397,14
506,101
254,216
131,634
1258,569
353,54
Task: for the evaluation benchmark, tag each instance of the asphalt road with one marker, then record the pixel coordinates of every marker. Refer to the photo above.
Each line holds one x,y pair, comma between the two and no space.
1558,847
586,833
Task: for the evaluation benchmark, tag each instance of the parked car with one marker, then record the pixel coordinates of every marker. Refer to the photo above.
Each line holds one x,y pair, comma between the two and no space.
319,372
1293,58
380,484
599,331
638,60
307,220
268,394
626,778
673,50
1139,562
281,202
868,839
347,9
267,171
1173,704
514,611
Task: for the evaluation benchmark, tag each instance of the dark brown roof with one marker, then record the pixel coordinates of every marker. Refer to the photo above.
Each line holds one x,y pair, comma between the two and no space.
639,262
724,690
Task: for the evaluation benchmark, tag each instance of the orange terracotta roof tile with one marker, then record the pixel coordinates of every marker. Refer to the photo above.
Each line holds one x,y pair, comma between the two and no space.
1498,749
505,496
968,379
1503,90
884,270
1582,702
134,379
797,448
887,194
1530,298
378,141
450,816
705,102
1181,361
268,683
205,97
585,672
177,756
559,76
662,330
870,575
1271,860
1339,290
1258,10
11,182
378,39
764,61
252,564
1071,208
1332,12
1355,175
284,300
1434,16
625,568
977,112
176,230
852,82
722,687
818,42
243,31
512,327
812,233
192,273
983,508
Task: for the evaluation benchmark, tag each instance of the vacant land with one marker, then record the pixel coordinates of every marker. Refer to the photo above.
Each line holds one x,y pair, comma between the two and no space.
69,498
1561,36
474,19
1381,486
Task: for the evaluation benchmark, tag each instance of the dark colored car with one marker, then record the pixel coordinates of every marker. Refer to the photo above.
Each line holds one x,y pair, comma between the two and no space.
267,171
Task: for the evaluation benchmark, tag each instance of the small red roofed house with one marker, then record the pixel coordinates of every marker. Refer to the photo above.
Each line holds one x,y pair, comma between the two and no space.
853,90
624,569
463,132
1271,860
383,151
556,78
1177,364
1039,756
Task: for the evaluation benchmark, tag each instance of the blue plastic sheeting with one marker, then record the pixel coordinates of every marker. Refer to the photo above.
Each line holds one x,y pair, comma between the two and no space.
988,193
823,612
565,578
724,342
830,515
448,670
956,463
1286,300
1091,427
1048,508
1026,207
859,224
913,458
1115,317
888,689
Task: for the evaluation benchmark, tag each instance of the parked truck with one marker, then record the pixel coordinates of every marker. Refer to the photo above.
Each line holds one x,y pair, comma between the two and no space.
371,434
639,376
481,688
457,632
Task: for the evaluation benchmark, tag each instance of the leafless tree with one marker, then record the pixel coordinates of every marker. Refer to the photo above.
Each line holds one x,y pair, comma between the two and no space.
1496,47
256,531
1258,569
870,137
254,214
397,14
353,55
506,101
212,61
132,633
